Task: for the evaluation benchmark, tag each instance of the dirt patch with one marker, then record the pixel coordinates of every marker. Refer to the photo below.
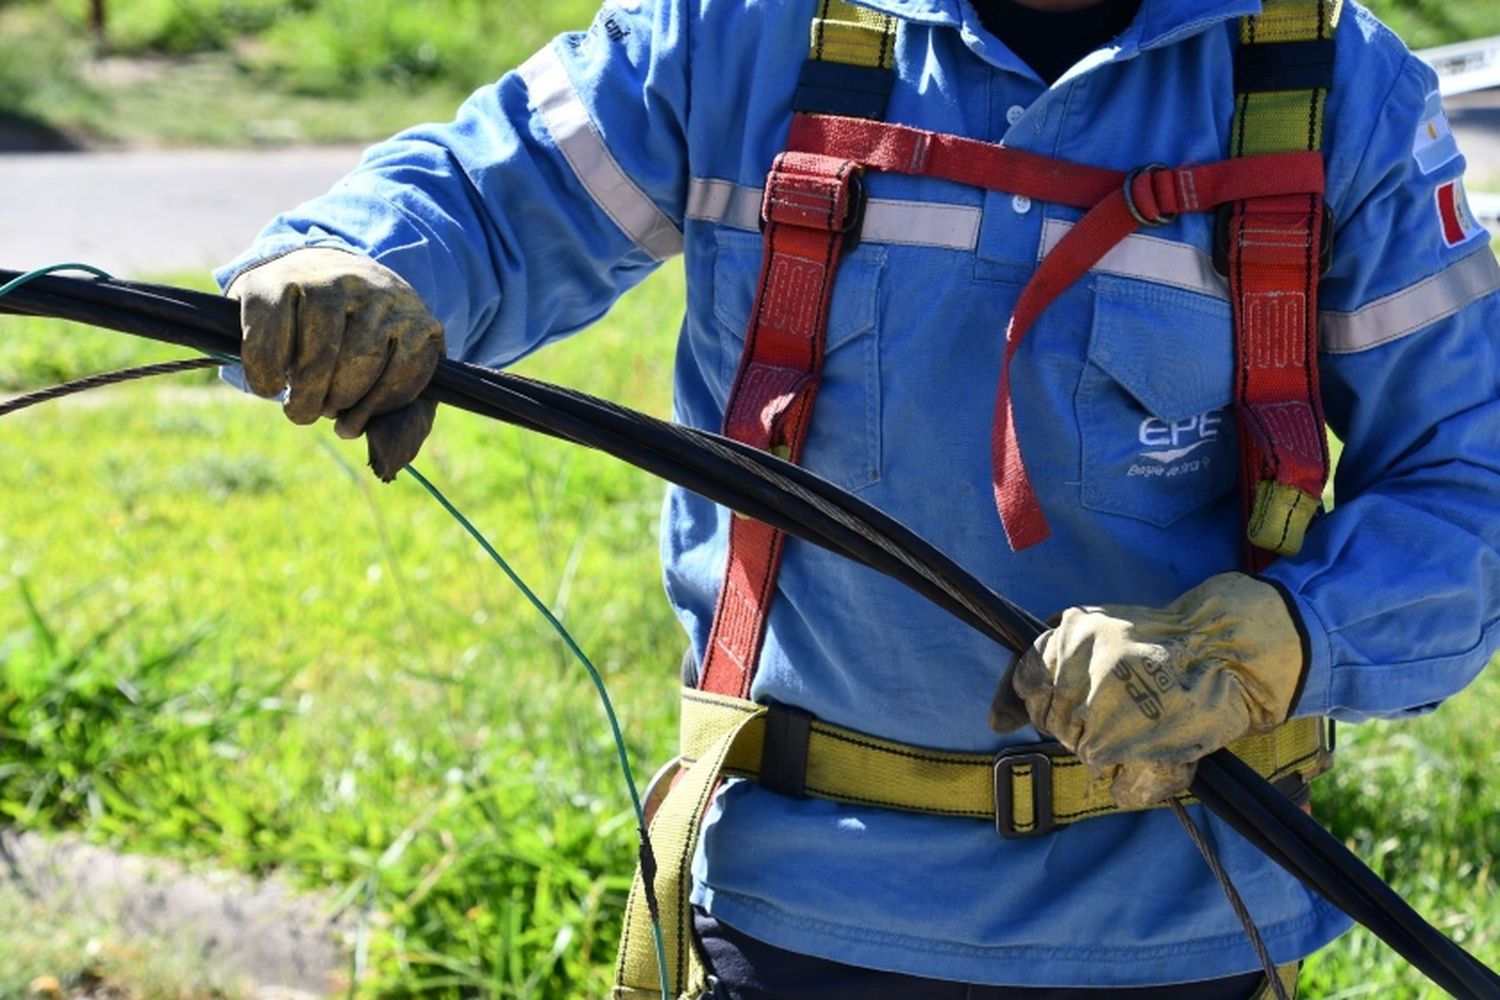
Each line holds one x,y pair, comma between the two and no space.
281,943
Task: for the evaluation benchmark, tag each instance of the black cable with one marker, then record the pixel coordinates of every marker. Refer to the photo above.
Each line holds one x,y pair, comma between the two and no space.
1236,903
1357,890
54,392
721,469
804,505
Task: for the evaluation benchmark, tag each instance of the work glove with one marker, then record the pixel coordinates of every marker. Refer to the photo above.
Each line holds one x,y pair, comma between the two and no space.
1141,694
348,339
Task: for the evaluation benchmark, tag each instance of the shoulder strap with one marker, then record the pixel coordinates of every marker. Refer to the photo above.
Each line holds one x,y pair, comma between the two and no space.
811,211
1273,251
848,71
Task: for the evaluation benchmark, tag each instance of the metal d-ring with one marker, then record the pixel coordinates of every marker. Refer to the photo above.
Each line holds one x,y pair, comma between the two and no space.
1135,213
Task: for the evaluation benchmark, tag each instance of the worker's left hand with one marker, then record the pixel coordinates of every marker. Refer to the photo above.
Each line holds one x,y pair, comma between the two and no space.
1141,694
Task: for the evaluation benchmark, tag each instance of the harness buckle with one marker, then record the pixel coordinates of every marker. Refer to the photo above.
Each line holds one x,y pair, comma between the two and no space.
1221,240
1038,757
1134,210
854,221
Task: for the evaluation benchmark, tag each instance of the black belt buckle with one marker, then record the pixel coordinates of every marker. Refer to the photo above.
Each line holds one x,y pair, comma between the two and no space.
1039,757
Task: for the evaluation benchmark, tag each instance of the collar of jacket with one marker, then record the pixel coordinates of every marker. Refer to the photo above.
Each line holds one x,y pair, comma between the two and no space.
1159,22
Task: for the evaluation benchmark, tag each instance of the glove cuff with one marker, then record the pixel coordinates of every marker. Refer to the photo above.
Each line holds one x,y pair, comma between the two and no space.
1303,638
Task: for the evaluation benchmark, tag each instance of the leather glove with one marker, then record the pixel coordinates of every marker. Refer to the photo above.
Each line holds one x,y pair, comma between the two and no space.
348,339
1141,694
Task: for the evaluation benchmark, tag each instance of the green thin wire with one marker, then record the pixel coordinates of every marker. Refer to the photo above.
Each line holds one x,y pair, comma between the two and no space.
567,638
30,276
609,708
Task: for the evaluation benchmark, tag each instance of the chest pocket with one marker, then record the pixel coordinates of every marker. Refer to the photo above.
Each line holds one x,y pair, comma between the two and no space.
1153,403
843,445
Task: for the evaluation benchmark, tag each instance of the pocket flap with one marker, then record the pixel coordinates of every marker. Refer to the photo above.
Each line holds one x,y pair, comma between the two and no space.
1151,340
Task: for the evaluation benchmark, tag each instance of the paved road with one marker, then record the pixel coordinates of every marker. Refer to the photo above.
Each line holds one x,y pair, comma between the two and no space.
157,213
152,213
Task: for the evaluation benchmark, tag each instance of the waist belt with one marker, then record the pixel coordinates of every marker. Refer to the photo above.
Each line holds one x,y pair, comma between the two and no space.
1025,791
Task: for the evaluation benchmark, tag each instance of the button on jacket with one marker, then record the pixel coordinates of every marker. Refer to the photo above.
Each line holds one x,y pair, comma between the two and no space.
650,134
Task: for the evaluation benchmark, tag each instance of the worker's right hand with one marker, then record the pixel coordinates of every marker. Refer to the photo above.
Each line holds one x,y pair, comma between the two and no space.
348,339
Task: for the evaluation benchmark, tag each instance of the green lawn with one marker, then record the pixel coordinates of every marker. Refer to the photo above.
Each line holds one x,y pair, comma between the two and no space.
253,72
222,638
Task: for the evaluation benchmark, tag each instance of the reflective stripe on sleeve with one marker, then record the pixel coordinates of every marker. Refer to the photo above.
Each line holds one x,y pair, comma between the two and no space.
913,223
1412,308
1150,258
567,119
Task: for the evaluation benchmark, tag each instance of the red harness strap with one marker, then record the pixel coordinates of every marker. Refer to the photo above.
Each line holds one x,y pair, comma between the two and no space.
808,209
1273,256
809,206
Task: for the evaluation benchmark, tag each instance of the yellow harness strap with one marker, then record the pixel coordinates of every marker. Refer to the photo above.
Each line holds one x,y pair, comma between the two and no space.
1288,975
848,766
726,737
1283,120
1279,121
857,36
674,830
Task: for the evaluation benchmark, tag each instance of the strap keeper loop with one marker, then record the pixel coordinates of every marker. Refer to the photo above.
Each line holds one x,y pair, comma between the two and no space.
816,192
1223,217
783,758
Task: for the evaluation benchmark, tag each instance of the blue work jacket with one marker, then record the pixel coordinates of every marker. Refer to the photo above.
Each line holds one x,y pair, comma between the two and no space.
650,134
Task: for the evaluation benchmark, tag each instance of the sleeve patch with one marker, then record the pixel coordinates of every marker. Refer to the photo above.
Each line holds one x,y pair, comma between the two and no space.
1457,221
1434,144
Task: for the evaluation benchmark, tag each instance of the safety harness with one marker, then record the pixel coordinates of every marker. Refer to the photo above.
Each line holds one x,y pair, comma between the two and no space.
1271,243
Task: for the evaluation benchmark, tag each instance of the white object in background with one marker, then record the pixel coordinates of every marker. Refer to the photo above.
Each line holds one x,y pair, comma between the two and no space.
1465,66
1462,68
1486,208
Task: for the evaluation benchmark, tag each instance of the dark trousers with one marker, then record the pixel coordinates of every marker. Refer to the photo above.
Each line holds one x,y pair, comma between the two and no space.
743,968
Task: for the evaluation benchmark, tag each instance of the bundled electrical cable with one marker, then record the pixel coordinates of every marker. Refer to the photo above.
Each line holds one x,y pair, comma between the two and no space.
800,503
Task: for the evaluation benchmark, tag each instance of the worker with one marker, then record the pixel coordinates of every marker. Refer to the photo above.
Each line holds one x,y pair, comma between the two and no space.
1094,443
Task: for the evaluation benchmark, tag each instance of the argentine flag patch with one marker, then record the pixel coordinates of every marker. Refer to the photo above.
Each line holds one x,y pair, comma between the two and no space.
1433,144
1459,225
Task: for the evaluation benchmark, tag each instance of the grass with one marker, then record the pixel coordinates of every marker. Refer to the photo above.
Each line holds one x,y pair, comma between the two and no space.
252,72
429,748
224,641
